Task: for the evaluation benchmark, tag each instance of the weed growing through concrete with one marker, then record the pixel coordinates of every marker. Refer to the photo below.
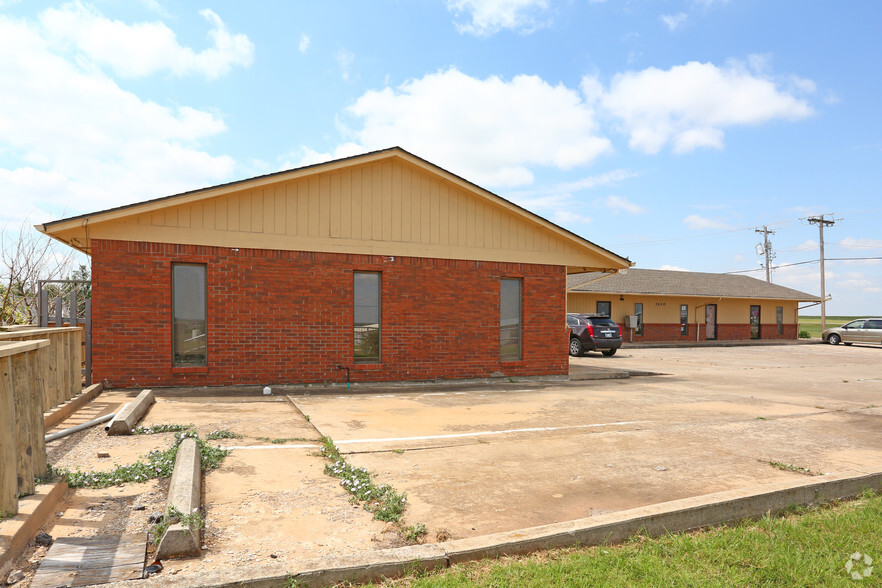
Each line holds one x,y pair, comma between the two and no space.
385,502
789,467
159,464
193,521
51,474
222,434
414,533
167,428
282,440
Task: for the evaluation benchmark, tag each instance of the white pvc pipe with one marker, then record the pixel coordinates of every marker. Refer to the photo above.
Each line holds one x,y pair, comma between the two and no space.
80,427
119,412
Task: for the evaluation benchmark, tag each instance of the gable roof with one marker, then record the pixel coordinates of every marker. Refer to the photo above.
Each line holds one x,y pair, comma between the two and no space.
387,202
677,283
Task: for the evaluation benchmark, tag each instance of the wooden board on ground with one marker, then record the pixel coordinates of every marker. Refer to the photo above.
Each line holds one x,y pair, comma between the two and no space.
82,561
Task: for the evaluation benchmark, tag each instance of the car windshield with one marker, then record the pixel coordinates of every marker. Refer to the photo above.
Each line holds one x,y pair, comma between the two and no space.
603,322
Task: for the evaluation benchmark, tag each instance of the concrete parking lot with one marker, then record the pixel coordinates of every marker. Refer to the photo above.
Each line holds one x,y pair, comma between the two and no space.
477,459
480,460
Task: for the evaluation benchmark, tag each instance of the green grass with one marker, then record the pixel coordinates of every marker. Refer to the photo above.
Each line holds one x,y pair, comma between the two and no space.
812,324
806,547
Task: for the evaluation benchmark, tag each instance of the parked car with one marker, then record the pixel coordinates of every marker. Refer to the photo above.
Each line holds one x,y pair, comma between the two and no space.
865,330
592,332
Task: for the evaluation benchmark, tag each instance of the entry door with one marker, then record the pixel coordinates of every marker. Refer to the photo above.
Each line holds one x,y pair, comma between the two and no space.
710,322
755,321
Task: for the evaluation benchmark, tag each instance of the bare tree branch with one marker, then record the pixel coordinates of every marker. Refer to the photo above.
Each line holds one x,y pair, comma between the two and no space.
27,256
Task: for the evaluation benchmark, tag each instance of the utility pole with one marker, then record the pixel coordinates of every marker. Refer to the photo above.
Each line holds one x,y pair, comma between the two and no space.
822,222
767,249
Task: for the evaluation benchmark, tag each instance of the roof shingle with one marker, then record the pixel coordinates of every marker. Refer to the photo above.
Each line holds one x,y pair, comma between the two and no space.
673,283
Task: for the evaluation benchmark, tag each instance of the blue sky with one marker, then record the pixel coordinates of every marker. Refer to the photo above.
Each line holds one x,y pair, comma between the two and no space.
666,131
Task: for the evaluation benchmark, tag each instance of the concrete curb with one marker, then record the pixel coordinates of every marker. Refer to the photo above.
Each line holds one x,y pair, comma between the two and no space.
74,404
33,511
133,412
184,494
658,519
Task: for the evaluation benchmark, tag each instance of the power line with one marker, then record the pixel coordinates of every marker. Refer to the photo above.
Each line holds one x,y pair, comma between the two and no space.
774,267
696,237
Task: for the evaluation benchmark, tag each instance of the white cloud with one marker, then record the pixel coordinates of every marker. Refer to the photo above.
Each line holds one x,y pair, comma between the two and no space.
810,245
674,268
303,45
142,49
488,17
852,243
73,139
587,183
490,131
857,281
674,21
621,204
570,218
690,105
559,201
700,223
345,59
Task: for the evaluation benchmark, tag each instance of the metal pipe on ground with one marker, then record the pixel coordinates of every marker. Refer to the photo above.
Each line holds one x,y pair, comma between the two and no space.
119,412
80,427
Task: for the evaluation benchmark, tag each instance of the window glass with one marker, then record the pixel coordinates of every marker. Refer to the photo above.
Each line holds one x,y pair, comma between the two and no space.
684,319
510,320
873,324
604,308
638,310
855,324
779,315
366,313
189,345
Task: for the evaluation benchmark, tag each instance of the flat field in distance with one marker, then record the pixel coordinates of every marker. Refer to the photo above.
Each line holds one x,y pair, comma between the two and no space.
812,324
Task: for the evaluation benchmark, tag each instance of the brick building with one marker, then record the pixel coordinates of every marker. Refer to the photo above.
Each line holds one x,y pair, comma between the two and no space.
689,306
378,267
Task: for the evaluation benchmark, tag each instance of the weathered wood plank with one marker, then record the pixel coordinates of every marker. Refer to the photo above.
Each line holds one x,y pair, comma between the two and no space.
35,386
82,561
8,481
24,434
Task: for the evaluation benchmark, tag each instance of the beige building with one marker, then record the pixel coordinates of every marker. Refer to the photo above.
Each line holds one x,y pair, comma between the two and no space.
683,306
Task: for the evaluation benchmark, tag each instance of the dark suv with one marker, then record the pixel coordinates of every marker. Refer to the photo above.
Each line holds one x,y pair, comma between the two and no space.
590,332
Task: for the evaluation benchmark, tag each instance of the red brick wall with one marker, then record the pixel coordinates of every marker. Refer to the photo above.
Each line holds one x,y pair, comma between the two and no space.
725,332
282,317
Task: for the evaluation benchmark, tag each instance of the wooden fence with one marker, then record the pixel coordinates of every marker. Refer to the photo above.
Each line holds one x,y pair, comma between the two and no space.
39,370
63,361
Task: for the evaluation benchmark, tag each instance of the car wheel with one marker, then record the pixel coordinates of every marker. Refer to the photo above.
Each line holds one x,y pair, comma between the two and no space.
834,339
576,348
609,352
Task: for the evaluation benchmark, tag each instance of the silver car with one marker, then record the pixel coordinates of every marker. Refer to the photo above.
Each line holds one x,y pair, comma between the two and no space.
865,330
